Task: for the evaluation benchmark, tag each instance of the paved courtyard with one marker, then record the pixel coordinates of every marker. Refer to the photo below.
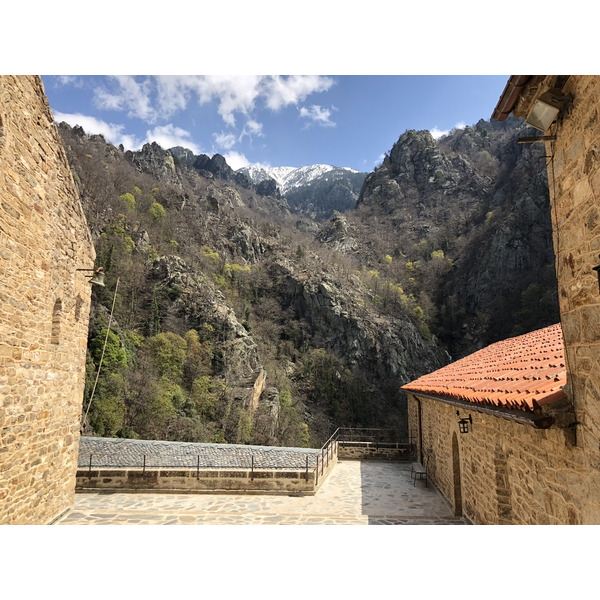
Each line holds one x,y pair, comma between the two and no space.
355,493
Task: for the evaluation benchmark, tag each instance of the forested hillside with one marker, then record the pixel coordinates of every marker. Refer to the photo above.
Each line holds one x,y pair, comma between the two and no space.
230,323
238,319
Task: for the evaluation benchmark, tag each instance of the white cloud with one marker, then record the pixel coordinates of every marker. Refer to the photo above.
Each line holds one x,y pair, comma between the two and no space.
281,91
168,136
128,94
68,80
317,115
234,94
251,129
379,160
225,140
111,131
236,160
438,133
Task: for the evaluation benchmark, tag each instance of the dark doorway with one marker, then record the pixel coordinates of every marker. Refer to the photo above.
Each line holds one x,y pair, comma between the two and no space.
458,508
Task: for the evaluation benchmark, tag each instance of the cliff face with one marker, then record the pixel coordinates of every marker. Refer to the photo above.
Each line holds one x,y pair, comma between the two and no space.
469,217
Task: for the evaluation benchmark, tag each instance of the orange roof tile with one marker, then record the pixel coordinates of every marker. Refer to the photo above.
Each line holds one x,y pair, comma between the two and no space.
520,373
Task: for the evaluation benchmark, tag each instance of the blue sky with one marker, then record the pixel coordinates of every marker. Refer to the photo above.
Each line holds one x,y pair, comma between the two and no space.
296,120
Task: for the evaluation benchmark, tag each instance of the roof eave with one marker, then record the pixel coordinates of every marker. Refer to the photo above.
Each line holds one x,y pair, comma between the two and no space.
509,96
536,420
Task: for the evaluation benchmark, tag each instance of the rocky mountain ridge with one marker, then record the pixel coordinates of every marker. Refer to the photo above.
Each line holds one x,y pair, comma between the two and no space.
468,220
269,339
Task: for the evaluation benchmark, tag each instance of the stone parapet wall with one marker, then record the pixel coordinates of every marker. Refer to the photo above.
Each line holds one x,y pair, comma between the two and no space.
266,481
44,309
171,480
374,451
503,472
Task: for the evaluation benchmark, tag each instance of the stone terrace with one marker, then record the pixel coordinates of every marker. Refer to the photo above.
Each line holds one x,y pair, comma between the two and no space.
356,492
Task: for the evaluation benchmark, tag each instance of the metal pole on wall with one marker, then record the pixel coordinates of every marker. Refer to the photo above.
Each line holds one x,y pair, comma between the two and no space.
84,419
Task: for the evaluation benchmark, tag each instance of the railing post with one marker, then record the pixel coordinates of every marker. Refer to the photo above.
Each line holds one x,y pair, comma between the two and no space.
198,468
317,471
307,467
90,467
252,469
144,467
322,461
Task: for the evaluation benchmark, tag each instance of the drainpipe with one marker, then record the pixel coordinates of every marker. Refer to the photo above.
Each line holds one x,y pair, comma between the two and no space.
420,425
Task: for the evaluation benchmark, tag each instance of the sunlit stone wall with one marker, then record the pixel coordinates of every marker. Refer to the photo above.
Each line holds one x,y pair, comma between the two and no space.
44,309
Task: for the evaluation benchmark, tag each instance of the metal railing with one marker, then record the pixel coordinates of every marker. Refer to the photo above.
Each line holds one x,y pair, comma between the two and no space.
310,463
378,437
329,448
316,462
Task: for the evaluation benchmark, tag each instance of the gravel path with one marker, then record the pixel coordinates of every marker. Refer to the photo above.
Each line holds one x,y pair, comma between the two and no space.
115,452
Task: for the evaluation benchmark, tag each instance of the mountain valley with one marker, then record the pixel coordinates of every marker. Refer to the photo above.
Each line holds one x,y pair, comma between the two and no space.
269,306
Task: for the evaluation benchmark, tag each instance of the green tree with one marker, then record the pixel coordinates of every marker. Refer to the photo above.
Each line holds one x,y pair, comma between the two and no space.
108,405
129,201
167,353
157,212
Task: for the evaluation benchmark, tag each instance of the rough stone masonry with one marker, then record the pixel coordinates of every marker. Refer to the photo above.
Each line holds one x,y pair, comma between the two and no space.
44,309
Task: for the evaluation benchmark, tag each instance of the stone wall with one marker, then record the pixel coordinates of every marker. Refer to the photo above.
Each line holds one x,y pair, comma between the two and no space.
503,472
574,181
374,451
265,481
44,309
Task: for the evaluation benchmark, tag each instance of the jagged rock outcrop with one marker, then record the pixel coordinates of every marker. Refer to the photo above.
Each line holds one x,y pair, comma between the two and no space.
198,302
267,187
337,234
247,242
153,159
384,347
183,156
217,165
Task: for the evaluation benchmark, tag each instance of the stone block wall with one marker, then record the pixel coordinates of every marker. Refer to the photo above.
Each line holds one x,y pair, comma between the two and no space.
265,481
574,182
503,472
44,309
227,480
374,451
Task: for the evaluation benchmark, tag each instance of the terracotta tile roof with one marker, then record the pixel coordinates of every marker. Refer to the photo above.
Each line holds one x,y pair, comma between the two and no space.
521,373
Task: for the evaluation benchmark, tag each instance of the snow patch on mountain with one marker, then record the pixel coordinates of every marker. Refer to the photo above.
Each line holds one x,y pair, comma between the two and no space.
288,178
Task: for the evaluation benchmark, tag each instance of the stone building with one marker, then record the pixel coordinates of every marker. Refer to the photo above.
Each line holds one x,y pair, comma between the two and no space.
528,460
44,309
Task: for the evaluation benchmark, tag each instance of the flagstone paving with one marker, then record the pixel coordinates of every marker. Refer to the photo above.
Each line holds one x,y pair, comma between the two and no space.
355,493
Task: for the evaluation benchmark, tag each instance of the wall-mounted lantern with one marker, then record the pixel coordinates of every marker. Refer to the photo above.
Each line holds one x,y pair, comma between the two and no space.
463,423
98,276
545,109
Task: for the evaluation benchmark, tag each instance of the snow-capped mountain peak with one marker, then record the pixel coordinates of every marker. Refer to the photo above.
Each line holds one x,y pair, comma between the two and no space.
288,178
